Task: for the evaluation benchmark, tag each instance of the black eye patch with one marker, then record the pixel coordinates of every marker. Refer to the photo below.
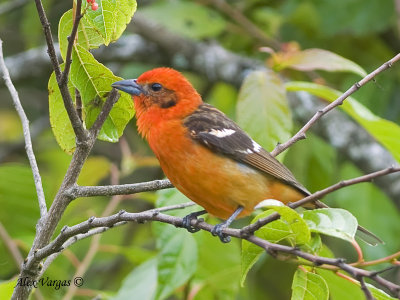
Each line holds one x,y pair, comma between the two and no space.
168,103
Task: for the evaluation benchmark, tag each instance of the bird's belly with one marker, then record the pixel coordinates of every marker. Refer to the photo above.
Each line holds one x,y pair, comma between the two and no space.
220,184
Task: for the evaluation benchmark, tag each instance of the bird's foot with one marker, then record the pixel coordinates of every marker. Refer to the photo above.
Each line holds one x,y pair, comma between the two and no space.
187,220
217,230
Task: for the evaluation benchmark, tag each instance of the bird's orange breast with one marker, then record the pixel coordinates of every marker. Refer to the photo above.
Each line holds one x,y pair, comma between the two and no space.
215,182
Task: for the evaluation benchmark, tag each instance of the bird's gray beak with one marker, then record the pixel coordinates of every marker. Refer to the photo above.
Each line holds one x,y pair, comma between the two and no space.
129,86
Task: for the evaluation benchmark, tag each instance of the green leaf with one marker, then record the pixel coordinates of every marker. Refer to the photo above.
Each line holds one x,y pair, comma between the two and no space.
100,27
59,120
340,288
202,23
177,260
262,109
94,80
300,233
87,35
309,286
319,59
334,222
385,132
290,226
111,18
141,282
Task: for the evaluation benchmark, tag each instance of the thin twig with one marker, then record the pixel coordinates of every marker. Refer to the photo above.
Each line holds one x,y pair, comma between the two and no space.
364,288
49,39
73,240
122,189
101,118
78,103
301,134
318,195
27,134
389,258
62,240
71,40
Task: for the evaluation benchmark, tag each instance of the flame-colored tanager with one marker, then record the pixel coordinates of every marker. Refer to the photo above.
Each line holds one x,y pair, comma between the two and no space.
206,155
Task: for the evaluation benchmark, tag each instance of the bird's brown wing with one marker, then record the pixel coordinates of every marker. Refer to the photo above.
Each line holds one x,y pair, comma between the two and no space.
213,129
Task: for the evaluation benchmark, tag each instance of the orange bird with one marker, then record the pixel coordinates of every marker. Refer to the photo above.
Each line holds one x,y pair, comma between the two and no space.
206,155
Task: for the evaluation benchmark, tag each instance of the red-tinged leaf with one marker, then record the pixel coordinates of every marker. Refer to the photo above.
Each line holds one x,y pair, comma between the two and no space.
317,59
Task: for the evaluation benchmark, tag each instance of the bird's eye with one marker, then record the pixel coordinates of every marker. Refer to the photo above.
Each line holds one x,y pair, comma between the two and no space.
156,87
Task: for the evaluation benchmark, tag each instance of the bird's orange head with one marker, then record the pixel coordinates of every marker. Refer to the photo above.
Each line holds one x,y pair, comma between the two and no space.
160,94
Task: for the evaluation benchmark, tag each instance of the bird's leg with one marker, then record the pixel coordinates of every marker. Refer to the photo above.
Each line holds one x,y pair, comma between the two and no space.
217,230
188,219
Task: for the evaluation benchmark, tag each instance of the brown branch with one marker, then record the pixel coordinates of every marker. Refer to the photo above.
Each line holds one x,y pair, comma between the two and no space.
71,40
101,118
364,288
27,135
49,39
123,189
78,104
301,134
77,125
318,195
153,215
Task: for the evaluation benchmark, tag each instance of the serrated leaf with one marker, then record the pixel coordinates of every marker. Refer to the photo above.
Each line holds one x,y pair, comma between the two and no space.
334,222
319,59
262,109
178,256
94,80
385,132
59,120
174,15
141,282
290,226
111,18
309,286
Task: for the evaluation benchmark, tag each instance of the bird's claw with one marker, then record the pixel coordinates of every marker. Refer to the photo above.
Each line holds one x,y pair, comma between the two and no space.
217,230
186,222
